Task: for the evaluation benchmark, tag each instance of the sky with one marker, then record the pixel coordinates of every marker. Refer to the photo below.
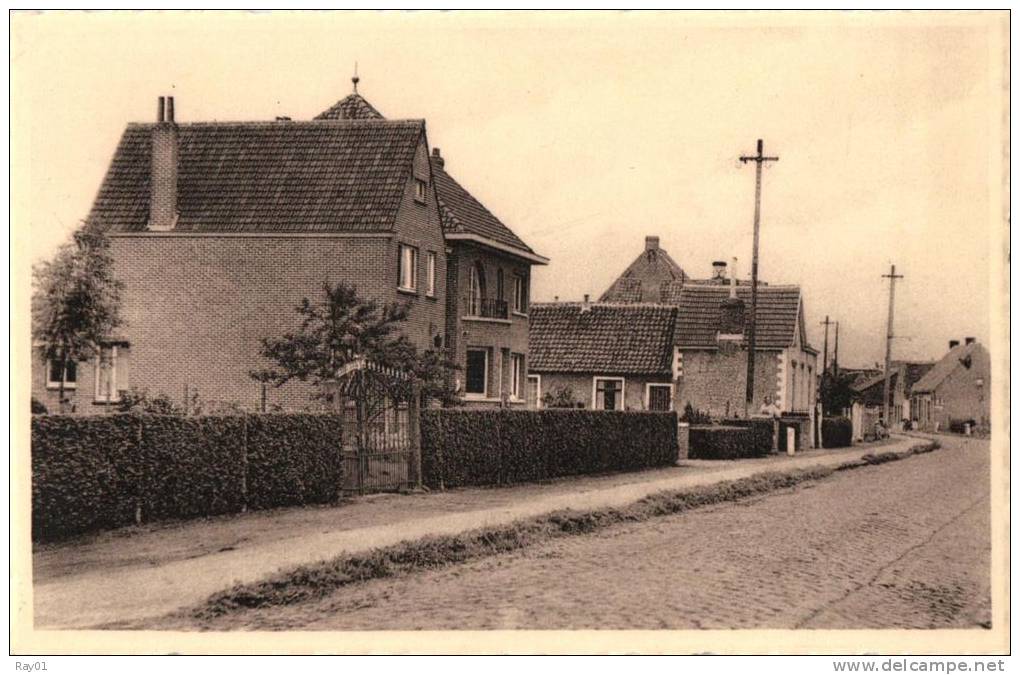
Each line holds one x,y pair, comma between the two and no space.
586,132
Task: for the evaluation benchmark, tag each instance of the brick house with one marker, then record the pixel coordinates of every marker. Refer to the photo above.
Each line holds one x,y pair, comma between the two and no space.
711,343
219,230
956,389
709,364
902,376
610,356
488,281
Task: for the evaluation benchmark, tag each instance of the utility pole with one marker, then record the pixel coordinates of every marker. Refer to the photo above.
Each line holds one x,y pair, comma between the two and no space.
892,277
758,159
825,347
835,354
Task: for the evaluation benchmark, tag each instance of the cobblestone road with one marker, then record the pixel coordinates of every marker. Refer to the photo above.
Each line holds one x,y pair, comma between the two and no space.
904,544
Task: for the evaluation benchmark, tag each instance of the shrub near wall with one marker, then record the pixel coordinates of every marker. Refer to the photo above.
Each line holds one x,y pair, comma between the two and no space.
837,432
293,459
93,473
85,473
493,447
727,442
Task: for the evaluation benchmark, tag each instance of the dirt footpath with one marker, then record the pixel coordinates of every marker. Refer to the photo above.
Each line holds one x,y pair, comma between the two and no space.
901,545
147,572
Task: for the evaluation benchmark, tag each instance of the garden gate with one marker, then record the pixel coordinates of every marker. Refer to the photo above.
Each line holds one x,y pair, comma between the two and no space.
381,445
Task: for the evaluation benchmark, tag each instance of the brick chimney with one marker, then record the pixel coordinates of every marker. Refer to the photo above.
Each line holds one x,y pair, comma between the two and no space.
651,243
953,344
437,159
969,340
163,179
719,271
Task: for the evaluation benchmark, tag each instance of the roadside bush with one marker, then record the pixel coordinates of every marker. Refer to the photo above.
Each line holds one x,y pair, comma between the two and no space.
494,447
837,432
959,426
725,442
762,430
100,472
85,473
293,459
38,407
192,466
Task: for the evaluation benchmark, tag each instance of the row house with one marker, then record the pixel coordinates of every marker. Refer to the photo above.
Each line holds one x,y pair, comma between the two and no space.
659,339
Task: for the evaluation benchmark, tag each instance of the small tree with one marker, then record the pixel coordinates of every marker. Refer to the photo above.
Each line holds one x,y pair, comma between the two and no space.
76,300
835,392
341,327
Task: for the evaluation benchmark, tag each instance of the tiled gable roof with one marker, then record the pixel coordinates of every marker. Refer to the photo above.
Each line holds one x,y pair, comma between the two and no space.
324,176
946,365
611,339
652,277
698,319
352,107
870,389
461,212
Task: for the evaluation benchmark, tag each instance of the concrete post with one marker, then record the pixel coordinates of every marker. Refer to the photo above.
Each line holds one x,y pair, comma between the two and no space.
683,441
791,440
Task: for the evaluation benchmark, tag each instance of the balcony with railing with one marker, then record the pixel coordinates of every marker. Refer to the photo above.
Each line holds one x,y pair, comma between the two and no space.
486,308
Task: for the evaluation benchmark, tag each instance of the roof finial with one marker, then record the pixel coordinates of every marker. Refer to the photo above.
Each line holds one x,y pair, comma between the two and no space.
355,79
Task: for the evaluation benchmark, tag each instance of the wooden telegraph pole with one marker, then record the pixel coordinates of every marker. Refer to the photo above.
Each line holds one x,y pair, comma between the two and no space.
892,277
825,344
835,354
758,160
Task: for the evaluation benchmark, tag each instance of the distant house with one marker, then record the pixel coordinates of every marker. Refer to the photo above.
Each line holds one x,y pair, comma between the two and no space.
712,337
902,376
955,390
219,229
627,336
609,356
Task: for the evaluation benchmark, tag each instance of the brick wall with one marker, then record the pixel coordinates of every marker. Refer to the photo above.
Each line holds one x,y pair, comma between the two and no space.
716,381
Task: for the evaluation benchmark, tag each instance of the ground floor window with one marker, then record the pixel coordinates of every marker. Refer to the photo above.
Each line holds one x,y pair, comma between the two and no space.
111,373
660,397
608,393
477,372
535,390
57,371
516,376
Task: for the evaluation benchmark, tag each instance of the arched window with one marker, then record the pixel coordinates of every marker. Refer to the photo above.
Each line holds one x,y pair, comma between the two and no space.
476,289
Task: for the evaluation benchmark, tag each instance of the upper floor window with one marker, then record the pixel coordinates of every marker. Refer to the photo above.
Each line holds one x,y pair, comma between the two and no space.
421,190
476,290
57,371
408,268
430,274
520,294
499,284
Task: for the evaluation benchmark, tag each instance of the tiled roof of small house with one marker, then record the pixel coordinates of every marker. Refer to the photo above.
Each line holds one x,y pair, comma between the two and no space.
461,212
599,338
942,368
352,107
869,390
778,315
283,176
652,277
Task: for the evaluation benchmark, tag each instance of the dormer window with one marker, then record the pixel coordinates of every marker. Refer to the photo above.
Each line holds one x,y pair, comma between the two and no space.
421,190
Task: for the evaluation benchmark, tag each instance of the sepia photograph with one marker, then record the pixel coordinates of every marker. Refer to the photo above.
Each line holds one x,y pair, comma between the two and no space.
579,332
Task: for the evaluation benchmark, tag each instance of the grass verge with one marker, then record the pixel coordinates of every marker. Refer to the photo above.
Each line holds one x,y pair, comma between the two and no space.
310,582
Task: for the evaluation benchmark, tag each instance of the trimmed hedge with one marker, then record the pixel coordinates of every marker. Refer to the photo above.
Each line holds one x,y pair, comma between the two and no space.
100,472
293,459
497,447
734,439
837,432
